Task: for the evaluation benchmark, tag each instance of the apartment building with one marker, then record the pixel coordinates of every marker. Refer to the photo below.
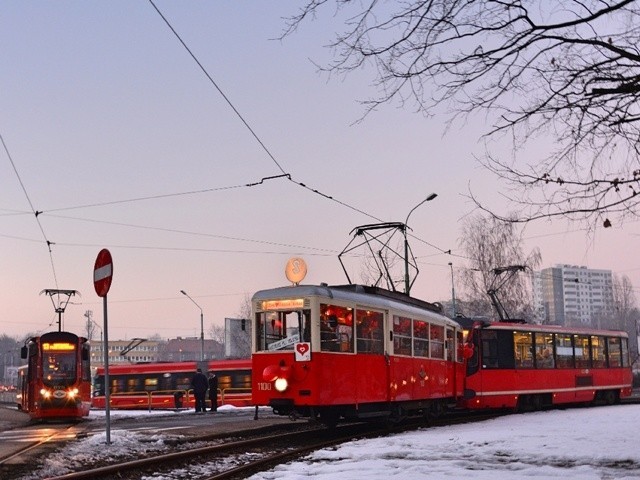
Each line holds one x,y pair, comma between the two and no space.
573,296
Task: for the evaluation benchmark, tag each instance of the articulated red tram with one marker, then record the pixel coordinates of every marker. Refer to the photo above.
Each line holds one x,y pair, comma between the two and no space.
353,352
528,367
56,382
168,384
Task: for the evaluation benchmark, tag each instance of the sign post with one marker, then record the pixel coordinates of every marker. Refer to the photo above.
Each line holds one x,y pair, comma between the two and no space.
102,276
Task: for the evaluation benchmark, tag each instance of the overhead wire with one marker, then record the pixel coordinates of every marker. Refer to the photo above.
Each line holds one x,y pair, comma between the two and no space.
33,210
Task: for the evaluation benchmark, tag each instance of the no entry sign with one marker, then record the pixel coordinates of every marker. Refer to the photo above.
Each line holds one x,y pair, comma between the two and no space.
103,273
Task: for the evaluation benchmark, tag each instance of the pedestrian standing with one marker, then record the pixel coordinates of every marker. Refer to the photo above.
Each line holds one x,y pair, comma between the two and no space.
200,384
213,391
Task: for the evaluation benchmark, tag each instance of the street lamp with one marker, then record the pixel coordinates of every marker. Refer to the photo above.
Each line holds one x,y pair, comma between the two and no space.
407,285
201,324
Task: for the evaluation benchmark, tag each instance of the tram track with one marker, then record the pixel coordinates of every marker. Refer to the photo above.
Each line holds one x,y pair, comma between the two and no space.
64,434
227,457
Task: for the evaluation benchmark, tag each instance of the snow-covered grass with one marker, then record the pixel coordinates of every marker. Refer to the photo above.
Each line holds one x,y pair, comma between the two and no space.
573,444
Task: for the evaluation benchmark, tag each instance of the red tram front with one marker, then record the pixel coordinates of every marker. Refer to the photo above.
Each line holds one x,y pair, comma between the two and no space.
56,382
353,352
528,367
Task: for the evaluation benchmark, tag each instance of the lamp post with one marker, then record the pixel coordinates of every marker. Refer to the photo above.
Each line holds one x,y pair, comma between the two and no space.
201,324
407,285
453,294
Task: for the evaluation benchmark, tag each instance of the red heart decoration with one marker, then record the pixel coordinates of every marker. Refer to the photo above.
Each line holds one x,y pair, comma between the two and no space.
302,348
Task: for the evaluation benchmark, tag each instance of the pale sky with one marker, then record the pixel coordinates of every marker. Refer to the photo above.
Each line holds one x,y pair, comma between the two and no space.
100,105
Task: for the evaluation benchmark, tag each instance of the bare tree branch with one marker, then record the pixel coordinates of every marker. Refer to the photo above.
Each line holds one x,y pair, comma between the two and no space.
568,70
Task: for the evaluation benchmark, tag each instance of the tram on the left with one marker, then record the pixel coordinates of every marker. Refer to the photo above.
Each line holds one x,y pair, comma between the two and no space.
56,381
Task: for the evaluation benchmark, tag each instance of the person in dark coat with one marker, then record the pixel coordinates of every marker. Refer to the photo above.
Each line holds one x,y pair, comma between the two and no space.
200,384
213,391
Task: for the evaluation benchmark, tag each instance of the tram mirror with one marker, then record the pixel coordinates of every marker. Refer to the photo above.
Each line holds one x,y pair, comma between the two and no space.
23,352
85,354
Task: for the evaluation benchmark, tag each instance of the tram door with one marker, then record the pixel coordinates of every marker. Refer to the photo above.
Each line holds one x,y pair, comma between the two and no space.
372,369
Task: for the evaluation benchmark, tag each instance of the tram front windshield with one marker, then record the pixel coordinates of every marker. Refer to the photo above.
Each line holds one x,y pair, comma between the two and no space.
58,368
281,330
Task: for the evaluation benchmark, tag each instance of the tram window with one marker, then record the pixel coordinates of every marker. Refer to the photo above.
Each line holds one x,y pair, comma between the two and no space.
449,345
598,356
401,335
497,349
581,347
437,341
544,350
523,349
183,382
564,351
150,384
281,330
460,345
369,328
420,338
117,385
625,352
614,352
336,328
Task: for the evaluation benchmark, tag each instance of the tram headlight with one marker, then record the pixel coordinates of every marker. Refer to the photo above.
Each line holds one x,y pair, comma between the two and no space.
281,384
45,393
72,393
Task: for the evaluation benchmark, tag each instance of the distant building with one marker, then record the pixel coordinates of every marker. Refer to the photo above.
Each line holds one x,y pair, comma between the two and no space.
237,338
572,295
125,351
190,348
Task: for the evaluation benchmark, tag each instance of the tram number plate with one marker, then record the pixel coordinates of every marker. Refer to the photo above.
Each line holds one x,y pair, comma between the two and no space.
264,386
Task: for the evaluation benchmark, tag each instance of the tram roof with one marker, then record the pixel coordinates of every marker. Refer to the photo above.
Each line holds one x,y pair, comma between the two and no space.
351,292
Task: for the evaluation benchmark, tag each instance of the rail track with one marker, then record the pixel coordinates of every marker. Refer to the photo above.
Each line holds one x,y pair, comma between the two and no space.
232,456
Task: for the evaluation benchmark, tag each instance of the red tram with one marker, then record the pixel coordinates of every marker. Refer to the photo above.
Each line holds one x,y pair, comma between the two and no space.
56,382
528,367
353,352
168,384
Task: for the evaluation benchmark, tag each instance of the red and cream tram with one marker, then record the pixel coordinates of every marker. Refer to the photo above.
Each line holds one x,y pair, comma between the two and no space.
528,367
56,381
353,352
168,384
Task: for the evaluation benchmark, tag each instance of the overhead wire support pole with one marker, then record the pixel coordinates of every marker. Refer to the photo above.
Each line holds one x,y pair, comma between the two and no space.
60,308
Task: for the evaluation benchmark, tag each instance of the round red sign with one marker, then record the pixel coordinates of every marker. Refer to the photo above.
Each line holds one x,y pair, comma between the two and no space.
103,273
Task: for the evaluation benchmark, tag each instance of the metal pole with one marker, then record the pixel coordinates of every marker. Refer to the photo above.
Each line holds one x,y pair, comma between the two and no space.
201,324
407,285
453,294
107,387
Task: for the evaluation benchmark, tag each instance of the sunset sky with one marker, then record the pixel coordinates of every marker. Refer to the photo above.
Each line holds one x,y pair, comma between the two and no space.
113,132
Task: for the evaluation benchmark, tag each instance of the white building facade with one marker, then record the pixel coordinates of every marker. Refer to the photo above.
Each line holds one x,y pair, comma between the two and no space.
573,295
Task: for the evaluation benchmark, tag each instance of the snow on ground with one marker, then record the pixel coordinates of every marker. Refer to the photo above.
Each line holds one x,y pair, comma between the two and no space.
572,444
